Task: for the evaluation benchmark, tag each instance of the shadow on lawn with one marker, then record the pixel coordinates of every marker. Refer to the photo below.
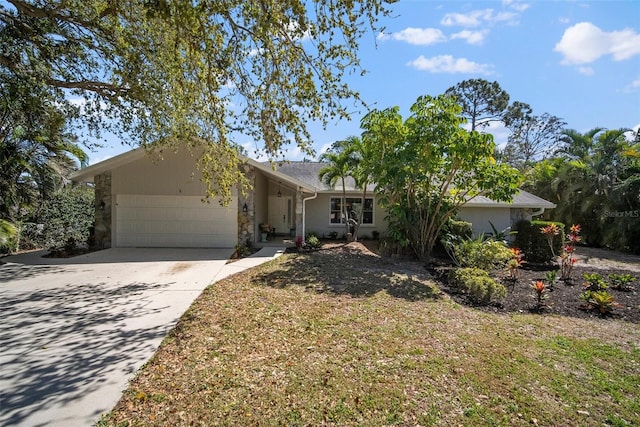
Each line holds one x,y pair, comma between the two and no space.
342,271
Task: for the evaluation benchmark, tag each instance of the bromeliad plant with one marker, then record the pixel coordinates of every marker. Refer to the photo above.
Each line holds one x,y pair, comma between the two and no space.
602,301
621,282
551,277
596,295
566,258
514,264
541,294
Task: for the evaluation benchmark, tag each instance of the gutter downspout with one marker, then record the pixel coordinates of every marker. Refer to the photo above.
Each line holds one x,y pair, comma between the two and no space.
304,213
538,212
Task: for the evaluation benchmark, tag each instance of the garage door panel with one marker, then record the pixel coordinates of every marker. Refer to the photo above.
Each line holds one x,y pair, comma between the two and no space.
174,221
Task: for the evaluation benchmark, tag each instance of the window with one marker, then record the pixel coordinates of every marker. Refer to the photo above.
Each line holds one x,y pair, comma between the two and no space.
354,207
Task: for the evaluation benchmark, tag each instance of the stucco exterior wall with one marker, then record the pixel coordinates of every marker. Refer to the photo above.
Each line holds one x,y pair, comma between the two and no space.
171,176
318,214
480,217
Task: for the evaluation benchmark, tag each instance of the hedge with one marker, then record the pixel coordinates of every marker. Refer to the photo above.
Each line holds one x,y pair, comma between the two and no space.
530,240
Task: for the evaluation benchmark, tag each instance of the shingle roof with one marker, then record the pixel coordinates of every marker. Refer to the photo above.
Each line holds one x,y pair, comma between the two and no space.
307,172
521,200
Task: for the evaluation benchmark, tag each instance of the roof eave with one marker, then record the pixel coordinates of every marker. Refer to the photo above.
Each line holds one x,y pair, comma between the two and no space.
87,174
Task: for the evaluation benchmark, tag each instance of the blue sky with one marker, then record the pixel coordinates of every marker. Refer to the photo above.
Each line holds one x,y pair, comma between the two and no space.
574,59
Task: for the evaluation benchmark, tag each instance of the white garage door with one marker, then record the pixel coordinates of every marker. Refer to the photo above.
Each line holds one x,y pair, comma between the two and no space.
174,221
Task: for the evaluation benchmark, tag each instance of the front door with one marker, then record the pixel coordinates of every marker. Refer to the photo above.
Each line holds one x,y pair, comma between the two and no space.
280,209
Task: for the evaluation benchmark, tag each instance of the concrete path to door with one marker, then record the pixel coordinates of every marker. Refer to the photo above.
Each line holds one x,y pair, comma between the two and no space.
74,331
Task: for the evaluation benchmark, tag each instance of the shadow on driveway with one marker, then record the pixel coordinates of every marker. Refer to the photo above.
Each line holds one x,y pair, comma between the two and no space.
72,335
63,344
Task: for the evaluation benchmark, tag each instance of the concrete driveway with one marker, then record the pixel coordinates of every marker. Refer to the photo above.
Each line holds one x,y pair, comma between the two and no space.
73,331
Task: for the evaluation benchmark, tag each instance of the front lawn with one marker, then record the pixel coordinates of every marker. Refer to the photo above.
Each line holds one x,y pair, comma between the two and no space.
344,337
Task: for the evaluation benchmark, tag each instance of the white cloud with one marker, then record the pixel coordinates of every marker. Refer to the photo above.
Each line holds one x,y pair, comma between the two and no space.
587,71
294,31
449,64
472,37
324,148
416,36
584,43
476,18
471,19
631,87
515,5
292,152
256,51
631,135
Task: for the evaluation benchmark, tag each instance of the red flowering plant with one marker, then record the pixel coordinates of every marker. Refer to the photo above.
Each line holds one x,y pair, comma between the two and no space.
541,294
514,264
566,258
550,231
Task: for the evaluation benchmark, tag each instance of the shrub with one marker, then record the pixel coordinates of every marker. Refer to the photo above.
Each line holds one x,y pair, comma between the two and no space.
602,301
243,250
313,242
484,255
534,244
621,282
375,234
8,237
461,229
477,283
594,282
67,217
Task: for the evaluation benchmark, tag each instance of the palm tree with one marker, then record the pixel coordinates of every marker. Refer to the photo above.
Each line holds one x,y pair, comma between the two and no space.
36,150
338,168
359,159
597,177
577,145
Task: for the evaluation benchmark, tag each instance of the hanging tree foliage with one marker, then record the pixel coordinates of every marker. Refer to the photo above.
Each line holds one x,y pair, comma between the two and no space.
172,72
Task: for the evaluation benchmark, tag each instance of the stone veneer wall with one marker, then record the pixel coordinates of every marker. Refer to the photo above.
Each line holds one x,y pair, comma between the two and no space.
102,225
246,220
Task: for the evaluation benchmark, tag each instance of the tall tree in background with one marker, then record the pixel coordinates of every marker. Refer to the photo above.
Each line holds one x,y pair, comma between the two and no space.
532,137
595,181
173,72
37,151
428,166
482,101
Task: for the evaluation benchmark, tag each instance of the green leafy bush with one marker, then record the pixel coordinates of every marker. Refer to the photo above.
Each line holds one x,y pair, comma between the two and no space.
485,255
594,282
313,242
243,250
621,282
66,217
534,244
477,283
602,301
8,237
462,229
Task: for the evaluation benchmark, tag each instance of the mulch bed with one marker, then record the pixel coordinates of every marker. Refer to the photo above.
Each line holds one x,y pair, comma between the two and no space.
564,299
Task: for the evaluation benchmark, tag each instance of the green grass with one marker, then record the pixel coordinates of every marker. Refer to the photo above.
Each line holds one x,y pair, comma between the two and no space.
335,338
